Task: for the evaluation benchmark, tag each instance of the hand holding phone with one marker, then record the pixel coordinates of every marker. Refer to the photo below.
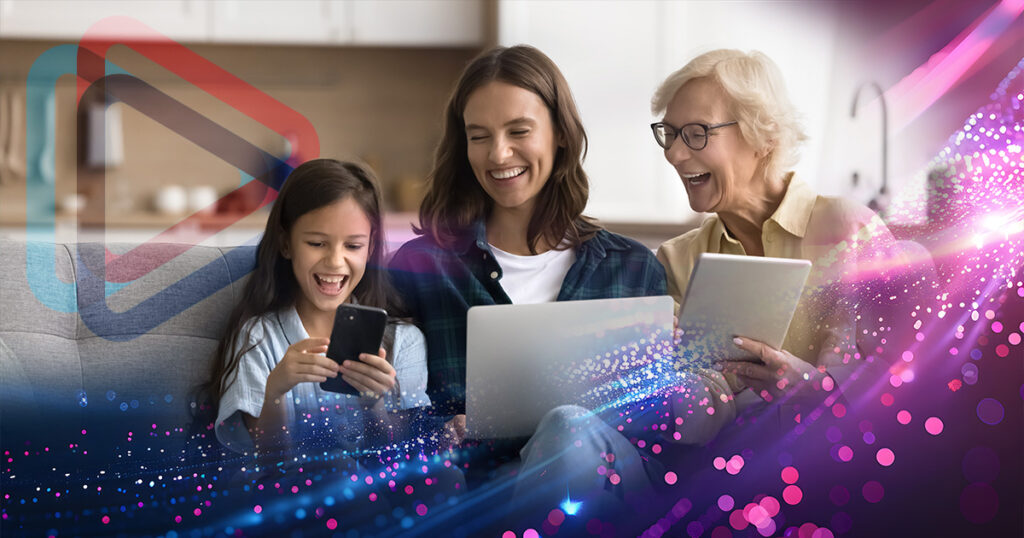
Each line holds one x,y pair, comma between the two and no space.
358,332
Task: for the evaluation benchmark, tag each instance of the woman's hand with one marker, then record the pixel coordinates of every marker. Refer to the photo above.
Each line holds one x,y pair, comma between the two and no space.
455,431
304,362
371,375
780,374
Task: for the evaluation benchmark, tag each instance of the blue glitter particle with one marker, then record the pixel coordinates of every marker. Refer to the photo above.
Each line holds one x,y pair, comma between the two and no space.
976,354
111,395
168,398
329,501
407,523
135,404
123,406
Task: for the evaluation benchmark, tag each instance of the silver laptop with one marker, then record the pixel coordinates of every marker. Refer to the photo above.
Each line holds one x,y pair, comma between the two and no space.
524,360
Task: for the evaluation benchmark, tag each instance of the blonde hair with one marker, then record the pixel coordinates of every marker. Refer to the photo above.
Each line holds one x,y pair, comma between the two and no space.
758,101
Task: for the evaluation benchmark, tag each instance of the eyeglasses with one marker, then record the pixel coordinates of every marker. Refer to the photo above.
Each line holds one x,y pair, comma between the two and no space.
695,135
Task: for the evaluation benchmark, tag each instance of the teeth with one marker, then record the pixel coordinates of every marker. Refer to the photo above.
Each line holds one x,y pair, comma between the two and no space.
331,279
510,173
692,176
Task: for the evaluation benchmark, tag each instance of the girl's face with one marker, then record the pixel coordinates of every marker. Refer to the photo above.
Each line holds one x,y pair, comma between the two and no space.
719,177
328,248
511,143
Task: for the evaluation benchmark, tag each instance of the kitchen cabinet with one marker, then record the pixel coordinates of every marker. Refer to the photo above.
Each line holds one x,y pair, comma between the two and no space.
406,23
182,20
294,22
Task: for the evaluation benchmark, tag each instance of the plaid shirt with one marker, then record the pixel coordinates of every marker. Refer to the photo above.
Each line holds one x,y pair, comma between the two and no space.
440,285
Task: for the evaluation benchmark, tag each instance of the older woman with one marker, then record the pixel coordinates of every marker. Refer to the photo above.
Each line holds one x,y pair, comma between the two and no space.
731,133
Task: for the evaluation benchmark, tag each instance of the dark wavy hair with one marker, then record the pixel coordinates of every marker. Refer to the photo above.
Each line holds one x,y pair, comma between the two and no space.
455,200
272,285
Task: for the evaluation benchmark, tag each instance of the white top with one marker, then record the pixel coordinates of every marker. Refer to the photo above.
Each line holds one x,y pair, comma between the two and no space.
318,415
534,279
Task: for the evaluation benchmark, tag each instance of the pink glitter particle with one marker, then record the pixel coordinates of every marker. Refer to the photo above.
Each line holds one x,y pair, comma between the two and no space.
332,524
757,515
197,512
790,475
556,517
421,509
873,491
719,463
408,490
997,327
885,457
508,534
1002,350
105,520
839,410
887,399
933,425
177,519
372,497
726,503
845,453
1013,339
792,494
257,508
903,417
822,532
908,356
614,479
771,505
530,533
670,478
737,520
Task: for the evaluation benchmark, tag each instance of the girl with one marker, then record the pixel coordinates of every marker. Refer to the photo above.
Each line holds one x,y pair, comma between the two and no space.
323,246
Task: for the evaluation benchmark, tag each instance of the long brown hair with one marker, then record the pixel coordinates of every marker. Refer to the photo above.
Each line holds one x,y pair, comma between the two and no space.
272,285
455,200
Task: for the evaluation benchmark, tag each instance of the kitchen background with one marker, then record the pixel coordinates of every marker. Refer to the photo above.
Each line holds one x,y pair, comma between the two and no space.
372,77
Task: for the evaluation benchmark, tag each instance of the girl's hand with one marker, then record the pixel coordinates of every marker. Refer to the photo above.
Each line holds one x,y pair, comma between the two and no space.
781,372
304,362
371,375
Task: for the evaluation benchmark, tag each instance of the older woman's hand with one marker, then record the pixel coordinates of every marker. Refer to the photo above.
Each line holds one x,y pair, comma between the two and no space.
782,373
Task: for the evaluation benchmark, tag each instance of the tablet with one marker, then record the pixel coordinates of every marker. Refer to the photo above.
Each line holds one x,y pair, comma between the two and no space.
728,296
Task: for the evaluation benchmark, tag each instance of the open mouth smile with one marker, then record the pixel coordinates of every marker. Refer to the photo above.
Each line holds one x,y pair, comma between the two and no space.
330,284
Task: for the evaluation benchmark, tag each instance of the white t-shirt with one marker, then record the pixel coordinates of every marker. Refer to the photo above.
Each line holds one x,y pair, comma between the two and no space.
534,279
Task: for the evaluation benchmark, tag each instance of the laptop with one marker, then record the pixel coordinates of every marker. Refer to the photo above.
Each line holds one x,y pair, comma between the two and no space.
524,360
728,296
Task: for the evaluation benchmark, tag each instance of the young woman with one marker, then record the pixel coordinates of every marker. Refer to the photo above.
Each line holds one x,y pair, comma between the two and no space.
502,218
502,223
322,247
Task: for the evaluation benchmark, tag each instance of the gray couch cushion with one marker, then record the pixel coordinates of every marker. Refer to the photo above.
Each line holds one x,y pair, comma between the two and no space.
97,326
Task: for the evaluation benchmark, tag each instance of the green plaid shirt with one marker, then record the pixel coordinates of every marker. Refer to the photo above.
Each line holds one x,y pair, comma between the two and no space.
440,285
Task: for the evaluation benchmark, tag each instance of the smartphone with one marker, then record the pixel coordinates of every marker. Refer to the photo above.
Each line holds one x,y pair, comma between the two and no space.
357,329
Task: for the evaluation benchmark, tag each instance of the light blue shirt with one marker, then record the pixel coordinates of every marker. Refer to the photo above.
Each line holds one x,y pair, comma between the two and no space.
314,413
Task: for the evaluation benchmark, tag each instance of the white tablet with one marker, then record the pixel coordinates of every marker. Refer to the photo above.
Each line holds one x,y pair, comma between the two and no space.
728,296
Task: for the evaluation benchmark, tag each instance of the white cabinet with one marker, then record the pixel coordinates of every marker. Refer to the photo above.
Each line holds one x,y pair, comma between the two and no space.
183,20
417,22
410,23
292,22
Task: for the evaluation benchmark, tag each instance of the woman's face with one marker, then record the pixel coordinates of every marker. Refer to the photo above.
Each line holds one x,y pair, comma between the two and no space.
719,177
511,143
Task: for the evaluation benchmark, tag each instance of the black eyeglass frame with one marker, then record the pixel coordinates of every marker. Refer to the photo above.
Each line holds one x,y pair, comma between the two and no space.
678,133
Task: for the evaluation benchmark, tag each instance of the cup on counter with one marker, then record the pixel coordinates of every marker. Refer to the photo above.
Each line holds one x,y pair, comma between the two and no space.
72,203
171,200
201,199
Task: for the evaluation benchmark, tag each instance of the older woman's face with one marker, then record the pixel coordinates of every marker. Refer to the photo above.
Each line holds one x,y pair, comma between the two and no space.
719,177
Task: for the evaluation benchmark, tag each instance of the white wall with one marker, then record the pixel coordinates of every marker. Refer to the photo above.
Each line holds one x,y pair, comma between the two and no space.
614,55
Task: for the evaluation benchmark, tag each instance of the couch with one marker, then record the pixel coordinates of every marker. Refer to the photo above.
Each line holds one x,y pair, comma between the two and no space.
110,338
